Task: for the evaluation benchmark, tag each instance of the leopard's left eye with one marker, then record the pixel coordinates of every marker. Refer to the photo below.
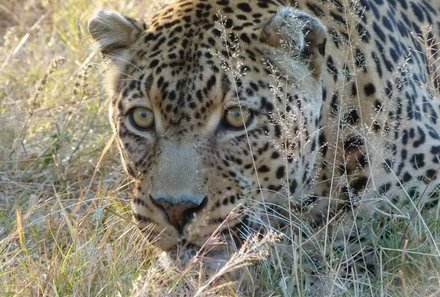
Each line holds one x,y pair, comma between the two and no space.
237,117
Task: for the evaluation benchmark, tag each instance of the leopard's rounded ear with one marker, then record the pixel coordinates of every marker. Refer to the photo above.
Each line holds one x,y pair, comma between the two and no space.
299,35
114,32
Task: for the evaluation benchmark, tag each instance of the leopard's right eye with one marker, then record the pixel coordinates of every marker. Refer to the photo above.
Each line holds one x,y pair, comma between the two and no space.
141,118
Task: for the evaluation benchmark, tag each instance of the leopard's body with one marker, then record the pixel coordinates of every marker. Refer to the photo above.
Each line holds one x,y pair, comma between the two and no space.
339,101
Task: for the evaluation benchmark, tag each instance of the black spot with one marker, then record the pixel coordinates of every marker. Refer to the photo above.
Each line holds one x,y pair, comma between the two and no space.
292,186
363,33
418,161
335,37
362,161
359,184
369,89
223,2
334,105
384,188
338,18
386,23
378,105
377,63
422,138
376,127
275,155
244,7
353,142
245,38
228,9
263,169
211,82
280,172
435,150
406,177
315,9
154,63
228,23
141,218
351,117
211,41
216,32
379,32
403,4
266,105
394,55
417,11
150,37
353,89
323,144
359,59
274,188
431,173
278,131
388,165
332,68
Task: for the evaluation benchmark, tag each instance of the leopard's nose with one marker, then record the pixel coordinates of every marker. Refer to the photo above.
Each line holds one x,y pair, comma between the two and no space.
179,210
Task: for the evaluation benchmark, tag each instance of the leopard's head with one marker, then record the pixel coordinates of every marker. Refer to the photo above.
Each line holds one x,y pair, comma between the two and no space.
216,113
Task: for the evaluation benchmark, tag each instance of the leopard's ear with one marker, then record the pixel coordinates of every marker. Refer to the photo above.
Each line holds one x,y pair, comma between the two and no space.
114,32
297,34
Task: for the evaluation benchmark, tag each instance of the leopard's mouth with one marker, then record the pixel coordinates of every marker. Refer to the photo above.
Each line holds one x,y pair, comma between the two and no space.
227,241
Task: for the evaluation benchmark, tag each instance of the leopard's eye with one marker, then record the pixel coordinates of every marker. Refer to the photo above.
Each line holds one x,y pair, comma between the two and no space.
141,118
237,117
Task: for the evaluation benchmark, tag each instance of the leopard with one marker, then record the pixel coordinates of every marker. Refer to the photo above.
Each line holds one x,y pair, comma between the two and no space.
236,116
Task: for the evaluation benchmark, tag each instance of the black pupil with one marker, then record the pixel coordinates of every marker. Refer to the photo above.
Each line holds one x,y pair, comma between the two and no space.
144,114
236,114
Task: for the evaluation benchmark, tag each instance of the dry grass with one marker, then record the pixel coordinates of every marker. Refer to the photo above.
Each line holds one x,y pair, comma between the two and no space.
65,228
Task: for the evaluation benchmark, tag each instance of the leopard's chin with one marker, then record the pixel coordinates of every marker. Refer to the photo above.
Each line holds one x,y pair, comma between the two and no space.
213,254
184,255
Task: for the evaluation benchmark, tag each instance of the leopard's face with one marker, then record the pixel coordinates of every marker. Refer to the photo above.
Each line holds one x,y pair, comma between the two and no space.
211,119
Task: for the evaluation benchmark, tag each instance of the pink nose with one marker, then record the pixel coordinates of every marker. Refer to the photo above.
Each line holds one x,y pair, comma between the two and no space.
179,210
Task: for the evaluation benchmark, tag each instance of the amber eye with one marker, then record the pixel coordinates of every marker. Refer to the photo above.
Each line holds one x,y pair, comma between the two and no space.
141,118
237,117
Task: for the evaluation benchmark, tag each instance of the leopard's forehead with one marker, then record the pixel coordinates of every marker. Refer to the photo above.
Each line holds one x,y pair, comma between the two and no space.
202,12
196,58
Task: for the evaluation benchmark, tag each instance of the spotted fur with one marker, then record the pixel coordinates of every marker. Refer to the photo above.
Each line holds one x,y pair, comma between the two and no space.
343,106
